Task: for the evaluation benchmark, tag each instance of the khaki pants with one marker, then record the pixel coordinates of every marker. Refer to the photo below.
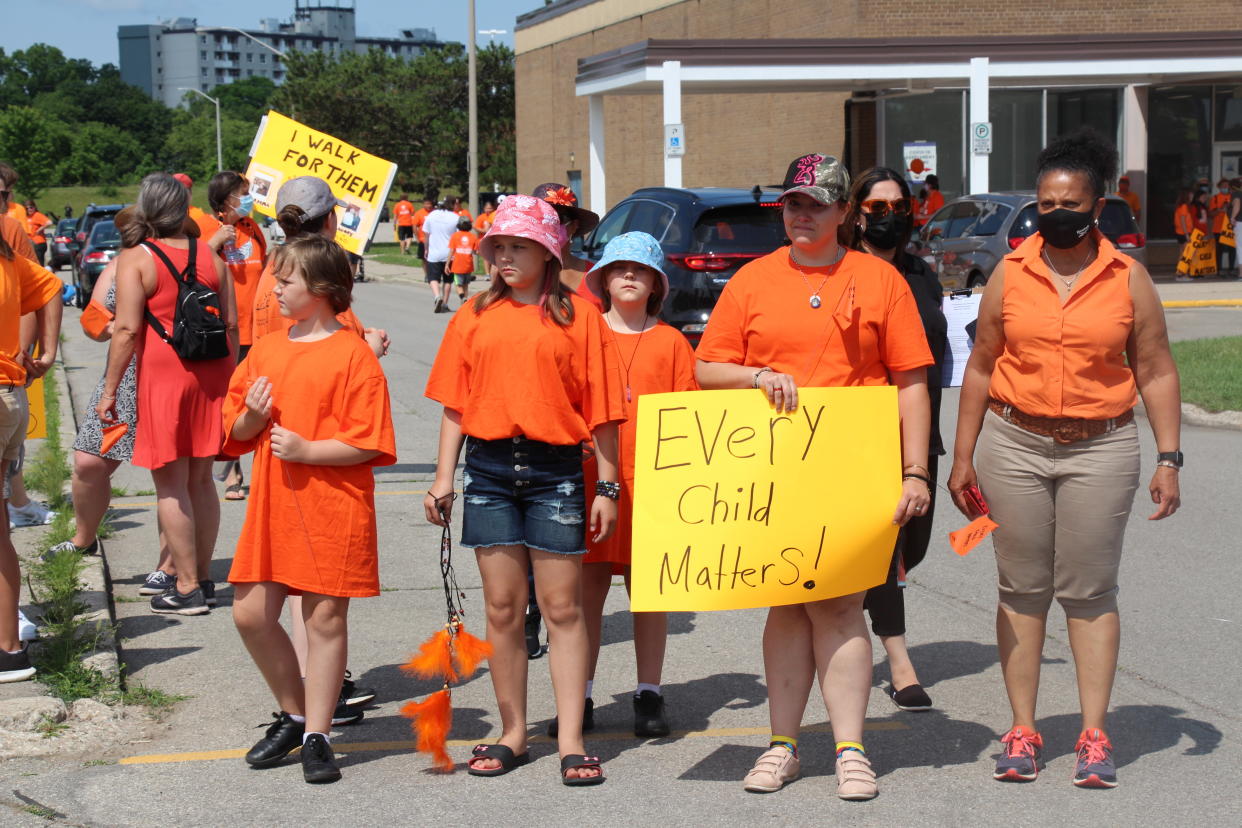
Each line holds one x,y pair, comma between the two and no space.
14,413
1061,512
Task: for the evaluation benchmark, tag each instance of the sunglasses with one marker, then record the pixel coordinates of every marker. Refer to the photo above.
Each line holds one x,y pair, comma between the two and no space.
5,193
880,207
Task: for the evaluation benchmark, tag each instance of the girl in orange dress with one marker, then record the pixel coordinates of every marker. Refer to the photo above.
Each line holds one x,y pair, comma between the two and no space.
655,357
526,373
313,406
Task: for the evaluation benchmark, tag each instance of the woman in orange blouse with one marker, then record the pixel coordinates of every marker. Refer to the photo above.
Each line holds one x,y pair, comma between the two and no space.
1070,331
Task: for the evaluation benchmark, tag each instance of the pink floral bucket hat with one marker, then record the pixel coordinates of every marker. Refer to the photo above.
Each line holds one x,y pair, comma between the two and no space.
526,217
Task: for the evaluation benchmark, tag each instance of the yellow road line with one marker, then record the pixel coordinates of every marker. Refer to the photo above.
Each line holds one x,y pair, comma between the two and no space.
408,745
1203,303
121,504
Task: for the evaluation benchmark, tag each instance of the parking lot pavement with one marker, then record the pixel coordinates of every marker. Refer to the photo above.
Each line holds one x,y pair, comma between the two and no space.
1174,717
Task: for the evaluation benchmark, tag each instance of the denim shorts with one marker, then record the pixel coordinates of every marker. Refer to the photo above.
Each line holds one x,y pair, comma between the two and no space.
524,492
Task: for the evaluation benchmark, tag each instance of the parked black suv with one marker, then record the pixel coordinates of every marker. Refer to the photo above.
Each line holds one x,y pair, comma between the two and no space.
706,233
92,214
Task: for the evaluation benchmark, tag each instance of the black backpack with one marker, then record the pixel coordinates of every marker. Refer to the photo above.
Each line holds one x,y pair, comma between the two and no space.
199,330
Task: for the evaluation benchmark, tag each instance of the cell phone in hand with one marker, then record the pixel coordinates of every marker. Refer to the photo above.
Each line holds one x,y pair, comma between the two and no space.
974,499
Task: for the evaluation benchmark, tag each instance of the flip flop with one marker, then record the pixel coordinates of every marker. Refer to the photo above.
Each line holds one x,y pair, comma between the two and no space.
502,754
578,761
234,492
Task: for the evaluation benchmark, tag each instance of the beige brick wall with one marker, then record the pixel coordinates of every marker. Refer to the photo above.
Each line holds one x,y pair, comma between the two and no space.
748,139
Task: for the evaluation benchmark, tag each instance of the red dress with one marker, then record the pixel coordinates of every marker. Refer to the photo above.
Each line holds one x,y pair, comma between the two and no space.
179,402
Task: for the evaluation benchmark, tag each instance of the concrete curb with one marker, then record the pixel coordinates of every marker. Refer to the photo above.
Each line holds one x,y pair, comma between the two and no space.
97,586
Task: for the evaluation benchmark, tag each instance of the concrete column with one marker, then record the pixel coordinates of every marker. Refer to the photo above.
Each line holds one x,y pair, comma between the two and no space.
672,115
595,169
1134,144
978,113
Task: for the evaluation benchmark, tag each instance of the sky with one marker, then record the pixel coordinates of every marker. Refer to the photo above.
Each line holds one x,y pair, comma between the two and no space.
87,28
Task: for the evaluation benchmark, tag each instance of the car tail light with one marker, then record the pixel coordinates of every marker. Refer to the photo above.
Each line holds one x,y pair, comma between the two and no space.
63,239
711,261
81,237
1016,241
1131,240
97,256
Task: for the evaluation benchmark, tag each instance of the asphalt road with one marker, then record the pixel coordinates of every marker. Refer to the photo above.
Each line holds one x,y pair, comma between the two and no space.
1174,722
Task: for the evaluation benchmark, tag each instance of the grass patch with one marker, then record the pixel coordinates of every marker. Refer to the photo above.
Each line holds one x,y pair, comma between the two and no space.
1211,372
155,700
390,253
49,727
54,199
48,471
120,491
145,493
41,811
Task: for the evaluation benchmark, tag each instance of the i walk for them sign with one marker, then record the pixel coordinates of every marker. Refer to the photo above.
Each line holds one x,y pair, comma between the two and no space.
739,506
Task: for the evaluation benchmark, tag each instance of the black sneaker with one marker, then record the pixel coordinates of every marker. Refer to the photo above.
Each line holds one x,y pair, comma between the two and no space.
173,602
318,761
649,718
209,592
354,696
345,715
913,698
15,666
283,735
588,720
157,583
533,619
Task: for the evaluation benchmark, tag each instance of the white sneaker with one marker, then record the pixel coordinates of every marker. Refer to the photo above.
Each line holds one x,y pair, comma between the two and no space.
32,514
26,630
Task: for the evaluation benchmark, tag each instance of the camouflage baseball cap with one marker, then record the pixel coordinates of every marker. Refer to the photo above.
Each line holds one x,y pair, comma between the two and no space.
820,176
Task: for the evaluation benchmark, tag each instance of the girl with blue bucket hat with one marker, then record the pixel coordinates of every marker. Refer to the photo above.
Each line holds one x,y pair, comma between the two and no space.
654,357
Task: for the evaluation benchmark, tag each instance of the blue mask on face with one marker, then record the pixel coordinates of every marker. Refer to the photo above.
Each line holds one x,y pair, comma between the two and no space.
245,204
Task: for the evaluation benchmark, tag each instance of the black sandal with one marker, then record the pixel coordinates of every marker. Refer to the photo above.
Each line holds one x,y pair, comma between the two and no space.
576,761
502,754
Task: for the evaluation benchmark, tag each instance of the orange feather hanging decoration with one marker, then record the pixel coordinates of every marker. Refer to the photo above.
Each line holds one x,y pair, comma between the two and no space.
432,718
470,651
434,659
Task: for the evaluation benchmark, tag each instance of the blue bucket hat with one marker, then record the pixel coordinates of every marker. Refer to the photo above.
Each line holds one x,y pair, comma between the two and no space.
635,246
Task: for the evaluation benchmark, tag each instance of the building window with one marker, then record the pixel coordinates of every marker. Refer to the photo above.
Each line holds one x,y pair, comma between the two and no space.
202,55
249,57
204,70
263,57
202,39
1179,149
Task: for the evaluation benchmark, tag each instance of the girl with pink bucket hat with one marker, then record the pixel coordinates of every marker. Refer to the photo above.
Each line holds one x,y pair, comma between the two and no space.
527,373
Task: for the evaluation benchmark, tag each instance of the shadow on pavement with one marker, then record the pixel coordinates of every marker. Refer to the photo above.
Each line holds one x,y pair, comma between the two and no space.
1136,730
945,660
136,658
138,625
619,626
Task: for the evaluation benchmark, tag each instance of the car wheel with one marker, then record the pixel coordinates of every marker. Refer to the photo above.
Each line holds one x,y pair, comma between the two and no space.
976,280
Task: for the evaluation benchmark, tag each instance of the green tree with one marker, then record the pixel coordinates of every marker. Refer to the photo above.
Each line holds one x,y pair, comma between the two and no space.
103,154
33,145
244,100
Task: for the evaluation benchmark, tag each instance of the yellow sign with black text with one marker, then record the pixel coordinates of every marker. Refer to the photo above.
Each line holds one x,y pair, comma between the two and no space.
738,506
284,149
36,426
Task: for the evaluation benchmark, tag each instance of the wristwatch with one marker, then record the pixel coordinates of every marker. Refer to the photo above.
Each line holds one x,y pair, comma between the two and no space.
1172,459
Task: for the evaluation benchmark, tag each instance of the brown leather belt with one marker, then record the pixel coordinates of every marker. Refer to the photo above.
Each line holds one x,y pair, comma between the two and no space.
1063,430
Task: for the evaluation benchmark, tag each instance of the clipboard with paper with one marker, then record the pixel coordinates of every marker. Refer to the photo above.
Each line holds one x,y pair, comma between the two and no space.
961,312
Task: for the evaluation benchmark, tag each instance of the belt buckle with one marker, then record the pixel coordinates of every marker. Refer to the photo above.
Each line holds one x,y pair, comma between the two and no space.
1068,431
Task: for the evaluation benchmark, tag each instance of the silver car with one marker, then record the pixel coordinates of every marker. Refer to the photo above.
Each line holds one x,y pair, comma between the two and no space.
965,240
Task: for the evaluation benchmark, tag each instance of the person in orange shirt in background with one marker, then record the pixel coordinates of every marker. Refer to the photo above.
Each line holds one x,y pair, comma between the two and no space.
1218,214
1131,197
210,229
36,223
9,207
1183,223
933,201
419,216
462,245
403,212
313,406
484,222
460,209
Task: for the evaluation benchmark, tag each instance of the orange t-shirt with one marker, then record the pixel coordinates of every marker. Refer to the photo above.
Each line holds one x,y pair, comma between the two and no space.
24,288
1132,199
14,232
245,257
421,214
1183,224
929,207
464,213
207,224
867,326
404,212
484,222
36,222
1066,360
462,245
313,527
1220,200
510,372
18,213
652,362
266,316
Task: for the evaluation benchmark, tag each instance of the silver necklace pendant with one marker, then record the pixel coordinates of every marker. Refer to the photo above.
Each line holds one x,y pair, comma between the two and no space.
815,301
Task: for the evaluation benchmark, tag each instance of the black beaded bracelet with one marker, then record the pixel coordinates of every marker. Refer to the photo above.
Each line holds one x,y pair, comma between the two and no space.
610,490
912,476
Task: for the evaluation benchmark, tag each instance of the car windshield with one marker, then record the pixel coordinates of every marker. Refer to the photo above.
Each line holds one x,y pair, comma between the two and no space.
105,234
745,228
1116,220
65,226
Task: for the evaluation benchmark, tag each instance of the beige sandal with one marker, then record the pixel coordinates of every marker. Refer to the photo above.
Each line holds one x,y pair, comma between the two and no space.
774,770
855,778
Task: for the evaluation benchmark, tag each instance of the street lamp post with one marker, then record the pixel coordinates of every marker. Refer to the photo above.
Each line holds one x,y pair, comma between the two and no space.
216,101
473,97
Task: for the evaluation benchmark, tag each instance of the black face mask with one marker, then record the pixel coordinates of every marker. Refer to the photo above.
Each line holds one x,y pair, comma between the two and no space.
1063,228
884,233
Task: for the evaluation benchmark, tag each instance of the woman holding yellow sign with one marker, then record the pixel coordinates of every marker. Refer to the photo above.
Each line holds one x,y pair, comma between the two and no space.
815,314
